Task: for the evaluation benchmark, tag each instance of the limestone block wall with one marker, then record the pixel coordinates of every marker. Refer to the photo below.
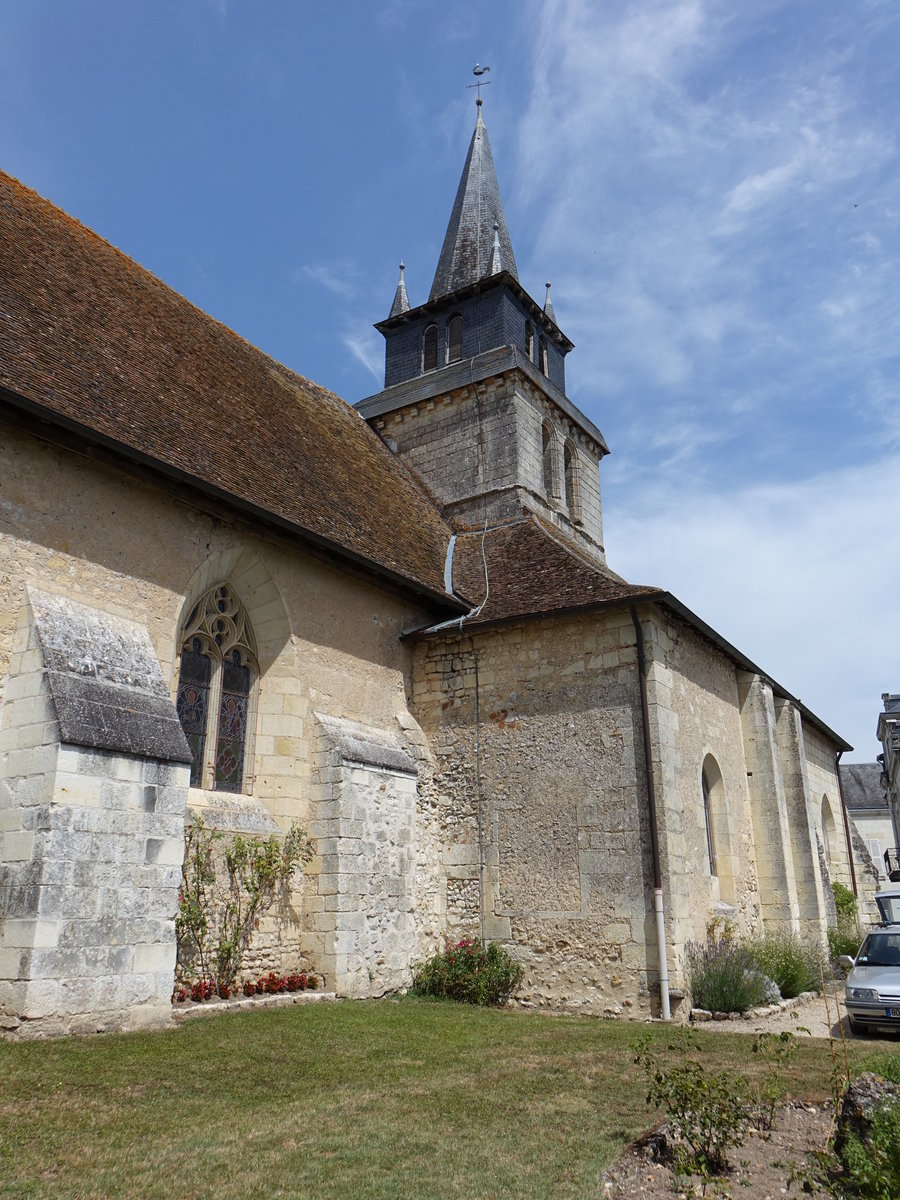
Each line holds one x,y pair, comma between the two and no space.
328,638
463,446
696,723
768,803
362,927
566,873
586,524
826,804
479,449
812,900
91,842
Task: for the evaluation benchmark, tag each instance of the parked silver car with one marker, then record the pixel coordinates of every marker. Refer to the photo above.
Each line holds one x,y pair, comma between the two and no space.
872,992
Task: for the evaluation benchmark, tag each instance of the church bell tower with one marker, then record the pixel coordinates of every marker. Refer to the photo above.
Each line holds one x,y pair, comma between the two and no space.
474,398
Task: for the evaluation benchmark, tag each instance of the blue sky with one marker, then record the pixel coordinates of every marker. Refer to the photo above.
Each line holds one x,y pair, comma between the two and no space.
711,187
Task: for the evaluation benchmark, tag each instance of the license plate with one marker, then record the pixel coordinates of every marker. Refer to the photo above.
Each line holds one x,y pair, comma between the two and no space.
892,1012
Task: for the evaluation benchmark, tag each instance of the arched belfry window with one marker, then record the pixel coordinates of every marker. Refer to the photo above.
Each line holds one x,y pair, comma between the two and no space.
455,339
430,349
550,461
529,340
216,690
542,362
573,481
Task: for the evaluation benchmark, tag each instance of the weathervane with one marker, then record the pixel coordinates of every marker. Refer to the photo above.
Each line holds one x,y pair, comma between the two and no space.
478,71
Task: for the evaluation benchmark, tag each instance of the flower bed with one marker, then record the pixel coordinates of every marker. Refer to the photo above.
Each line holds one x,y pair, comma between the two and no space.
273,984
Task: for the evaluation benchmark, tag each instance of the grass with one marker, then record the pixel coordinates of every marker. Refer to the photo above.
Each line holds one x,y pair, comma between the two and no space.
378,1099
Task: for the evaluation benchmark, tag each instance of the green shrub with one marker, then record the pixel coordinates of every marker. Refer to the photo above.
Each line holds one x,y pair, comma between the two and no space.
843,940
723,977
884,1063
707,1111
470,973
872,1170
792,962
844,902
845,937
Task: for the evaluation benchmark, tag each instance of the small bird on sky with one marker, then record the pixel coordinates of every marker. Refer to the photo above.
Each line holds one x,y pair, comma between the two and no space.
479,70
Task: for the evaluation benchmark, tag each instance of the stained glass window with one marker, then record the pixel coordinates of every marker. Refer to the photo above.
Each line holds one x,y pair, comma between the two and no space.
232,723
215,689
192,702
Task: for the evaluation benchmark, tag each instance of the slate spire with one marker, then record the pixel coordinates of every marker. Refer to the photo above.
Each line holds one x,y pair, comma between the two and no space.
548,306
401,300
466,255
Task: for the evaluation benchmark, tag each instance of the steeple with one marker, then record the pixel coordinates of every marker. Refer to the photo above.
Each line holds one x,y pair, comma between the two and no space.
401,300
466,255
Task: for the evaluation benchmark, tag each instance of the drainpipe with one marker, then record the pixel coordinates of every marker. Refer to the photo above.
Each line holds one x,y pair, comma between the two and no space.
837,768
654,834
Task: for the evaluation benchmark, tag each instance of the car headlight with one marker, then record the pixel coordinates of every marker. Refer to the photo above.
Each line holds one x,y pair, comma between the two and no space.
861,994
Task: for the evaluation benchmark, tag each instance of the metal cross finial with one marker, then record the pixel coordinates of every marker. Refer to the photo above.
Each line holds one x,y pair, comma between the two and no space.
478,71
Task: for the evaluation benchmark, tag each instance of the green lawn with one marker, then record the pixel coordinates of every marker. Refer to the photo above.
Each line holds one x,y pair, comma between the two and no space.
332,1101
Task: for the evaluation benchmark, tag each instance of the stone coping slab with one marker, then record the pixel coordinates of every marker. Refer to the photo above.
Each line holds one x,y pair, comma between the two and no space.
192,1008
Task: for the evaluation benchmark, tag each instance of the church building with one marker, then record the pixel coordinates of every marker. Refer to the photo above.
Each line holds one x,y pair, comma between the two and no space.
226,592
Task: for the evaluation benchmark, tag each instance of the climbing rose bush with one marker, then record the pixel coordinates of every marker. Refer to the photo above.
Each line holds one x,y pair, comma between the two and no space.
470,973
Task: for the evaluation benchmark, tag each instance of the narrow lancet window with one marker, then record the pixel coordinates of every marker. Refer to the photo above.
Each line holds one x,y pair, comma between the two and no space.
543,356
551,470
455,339
430,349
529,340
707,814
573,482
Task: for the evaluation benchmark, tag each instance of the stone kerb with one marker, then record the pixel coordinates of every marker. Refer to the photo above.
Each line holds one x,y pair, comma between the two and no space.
88,932
364,827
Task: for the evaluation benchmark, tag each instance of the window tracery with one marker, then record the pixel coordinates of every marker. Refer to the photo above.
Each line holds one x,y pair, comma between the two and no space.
215,698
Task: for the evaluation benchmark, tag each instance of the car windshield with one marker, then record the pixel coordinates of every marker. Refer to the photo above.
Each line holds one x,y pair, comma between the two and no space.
880,950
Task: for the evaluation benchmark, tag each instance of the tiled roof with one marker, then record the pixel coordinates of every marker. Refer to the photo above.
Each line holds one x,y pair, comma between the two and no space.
93,341
466,253
861,783
532,572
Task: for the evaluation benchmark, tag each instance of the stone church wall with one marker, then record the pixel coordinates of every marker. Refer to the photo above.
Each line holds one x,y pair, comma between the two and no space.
328,639
563,809
696,722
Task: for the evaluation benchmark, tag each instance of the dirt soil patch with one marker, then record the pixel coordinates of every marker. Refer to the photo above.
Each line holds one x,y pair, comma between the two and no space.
761,1169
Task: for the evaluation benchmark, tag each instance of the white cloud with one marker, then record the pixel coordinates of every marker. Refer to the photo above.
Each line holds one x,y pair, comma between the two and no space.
800,576
367,349
341,278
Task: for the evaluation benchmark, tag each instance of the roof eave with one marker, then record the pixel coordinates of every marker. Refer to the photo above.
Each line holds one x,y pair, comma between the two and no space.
476,289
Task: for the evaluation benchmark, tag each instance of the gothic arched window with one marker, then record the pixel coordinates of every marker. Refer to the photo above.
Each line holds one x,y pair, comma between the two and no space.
455,339
573,483
430,349
216,690
529,340
542,363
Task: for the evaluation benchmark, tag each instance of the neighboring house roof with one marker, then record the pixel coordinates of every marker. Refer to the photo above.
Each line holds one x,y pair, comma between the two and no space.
862,787
94,343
